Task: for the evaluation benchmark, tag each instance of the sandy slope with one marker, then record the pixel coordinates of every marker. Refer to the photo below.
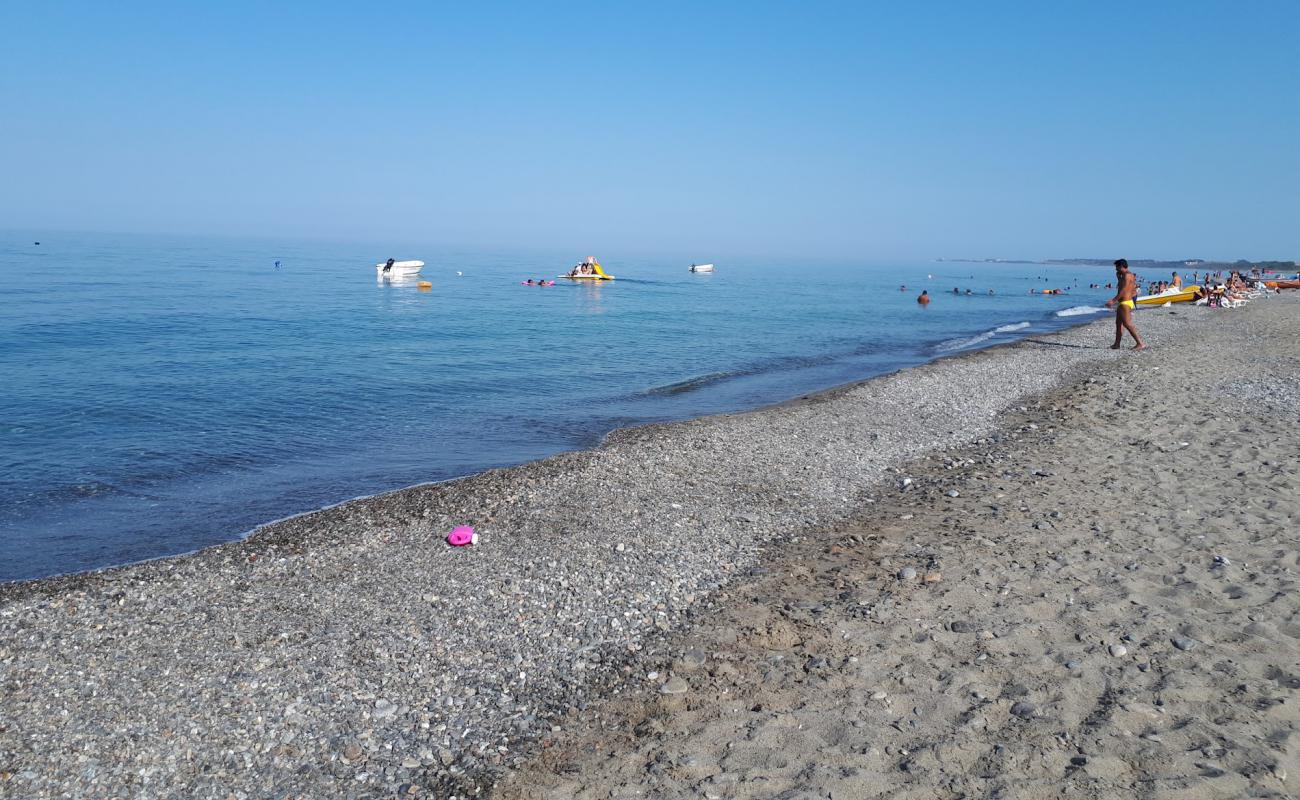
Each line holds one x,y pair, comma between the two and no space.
1107,608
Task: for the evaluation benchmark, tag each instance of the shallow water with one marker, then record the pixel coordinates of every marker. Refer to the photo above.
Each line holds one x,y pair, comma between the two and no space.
162,394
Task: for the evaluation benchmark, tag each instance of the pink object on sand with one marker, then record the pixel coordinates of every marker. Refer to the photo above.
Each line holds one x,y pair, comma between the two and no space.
462,535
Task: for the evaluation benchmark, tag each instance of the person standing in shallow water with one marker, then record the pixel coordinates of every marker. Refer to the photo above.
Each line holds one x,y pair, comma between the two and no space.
1124,305
923,298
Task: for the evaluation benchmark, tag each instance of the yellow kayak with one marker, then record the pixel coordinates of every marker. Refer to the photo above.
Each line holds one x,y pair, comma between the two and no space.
1187,295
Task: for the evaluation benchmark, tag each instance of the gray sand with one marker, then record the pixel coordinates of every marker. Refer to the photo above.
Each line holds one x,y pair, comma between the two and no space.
350,653
1099,604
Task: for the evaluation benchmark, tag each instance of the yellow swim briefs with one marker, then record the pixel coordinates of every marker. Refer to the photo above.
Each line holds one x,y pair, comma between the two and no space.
1128,304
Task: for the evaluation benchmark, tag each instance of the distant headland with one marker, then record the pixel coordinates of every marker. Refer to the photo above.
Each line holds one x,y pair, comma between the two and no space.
1141,263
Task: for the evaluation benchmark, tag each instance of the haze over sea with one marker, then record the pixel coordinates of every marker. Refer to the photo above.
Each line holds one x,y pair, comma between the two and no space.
164,394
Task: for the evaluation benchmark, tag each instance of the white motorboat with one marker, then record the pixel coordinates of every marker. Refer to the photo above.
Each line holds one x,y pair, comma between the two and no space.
394,269
701,268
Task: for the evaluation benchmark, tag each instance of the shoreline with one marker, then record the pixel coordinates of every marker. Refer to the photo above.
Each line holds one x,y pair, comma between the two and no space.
1097,601
14,587
351,645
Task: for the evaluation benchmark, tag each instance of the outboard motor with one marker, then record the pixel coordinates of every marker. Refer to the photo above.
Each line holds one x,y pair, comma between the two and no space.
389,265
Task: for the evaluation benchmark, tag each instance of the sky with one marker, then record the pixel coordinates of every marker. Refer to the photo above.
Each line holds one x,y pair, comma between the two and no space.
849,130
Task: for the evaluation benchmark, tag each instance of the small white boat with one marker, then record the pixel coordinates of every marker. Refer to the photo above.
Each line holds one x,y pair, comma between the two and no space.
701,268
393,269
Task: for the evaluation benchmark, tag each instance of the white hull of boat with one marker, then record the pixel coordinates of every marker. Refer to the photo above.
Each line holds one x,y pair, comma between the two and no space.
400,268
701,268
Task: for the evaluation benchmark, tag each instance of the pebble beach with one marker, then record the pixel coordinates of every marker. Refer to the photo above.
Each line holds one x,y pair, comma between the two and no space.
1039,569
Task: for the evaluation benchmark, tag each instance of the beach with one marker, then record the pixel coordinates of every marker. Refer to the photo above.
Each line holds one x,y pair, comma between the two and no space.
1046,564
1097,602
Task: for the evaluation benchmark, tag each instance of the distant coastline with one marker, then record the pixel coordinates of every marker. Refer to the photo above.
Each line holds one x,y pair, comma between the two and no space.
1140,263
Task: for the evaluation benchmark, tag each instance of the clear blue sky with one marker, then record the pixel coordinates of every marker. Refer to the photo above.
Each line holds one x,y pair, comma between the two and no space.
838,129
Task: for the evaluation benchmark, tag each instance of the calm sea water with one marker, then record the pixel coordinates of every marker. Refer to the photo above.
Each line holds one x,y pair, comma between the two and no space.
161,394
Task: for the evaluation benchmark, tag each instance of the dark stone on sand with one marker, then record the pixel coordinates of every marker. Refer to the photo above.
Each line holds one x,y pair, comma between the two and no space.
1024,710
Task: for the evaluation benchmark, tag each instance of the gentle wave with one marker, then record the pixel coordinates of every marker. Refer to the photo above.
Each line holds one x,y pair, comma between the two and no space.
962,344
691,384
761,367
1076,311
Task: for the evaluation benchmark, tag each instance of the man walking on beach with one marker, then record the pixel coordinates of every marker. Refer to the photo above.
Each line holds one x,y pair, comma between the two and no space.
1127,293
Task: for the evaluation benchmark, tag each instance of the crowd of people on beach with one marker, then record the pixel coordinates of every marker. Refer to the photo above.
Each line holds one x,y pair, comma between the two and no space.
1230,292
1213,291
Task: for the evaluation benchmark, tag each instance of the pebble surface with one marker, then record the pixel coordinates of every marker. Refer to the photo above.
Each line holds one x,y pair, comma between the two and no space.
351,653
829,677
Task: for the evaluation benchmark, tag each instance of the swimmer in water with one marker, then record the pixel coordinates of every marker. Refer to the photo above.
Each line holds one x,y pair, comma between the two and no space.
924,298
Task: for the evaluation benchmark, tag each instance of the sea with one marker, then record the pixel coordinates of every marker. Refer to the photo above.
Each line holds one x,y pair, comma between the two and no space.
159,394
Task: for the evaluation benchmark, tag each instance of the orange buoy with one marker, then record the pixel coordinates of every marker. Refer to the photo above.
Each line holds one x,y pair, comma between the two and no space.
425,286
